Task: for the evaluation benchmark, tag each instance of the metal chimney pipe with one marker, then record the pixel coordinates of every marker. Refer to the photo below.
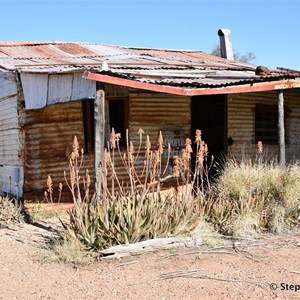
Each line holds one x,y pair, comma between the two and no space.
225,44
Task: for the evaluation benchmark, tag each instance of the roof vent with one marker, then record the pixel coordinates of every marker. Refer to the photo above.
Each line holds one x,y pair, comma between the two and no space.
225,44
104,66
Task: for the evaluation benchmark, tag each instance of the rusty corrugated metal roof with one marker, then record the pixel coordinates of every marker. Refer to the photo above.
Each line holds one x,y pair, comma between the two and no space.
160,66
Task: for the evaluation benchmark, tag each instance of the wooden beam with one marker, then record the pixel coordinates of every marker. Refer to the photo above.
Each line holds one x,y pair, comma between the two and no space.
281,130
244,88
133,83
99,121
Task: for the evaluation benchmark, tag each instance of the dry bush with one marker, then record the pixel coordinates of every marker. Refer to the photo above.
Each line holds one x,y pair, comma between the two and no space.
210,236
246,223
65,250
291,191
10,211
258,196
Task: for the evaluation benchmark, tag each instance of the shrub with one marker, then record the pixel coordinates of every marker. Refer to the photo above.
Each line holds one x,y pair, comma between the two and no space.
263,196
246,223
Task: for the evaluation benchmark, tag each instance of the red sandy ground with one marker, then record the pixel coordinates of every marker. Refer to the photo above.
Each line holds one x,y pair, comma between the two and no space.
245,272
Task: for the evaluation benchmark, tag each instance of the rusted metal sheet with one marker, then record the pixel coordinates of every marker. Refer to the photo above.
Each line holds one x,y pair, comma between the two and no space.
181,67
159,112
114,91
49,133
153,113
133,84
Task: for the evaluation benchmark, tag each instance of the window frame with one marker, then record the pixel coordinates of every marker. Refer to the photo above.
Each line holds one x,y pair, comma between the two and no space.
266,123
88,122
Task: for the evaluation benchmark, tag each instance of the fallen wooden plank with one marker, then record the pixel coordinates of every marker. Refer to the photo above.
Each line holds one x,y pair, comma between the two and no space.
150,246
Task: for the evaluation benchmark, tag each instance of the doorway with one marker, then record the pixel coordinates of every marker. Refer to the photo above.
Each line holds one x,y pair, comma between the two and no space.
209,114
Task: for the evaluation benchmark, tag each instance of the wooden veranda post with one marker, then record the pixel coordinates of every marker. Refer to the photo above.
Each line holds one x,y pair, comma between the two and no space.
99,121
281,130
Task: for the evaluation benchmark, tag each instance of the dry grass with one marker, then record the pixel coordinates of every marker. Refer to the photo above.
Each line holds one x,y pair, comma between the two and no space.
66,250
208,233
39,213
255,197
245,224
10,211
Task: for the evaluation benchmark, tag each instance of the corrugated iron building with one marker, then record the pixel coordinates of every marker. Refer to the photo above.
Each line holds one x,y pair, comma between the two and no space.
47,94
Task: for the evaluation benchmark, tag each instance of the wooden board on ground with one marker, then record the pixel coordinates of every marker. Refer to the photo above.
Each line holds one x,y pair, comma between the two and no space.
150,246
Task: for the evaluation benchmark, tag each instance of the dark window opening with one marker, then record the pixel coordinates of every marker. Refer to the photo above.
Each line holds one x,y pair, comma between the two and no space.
266,123
117,118
88,124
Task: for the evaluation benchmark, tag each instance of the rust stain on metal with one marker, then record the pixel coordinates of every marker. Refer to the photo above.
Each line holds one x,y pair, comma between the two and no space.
165,67
49,133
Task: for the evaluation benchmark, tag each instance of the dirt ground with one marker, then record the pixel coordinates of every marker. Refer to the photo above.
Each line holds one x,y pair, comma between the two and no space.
262,268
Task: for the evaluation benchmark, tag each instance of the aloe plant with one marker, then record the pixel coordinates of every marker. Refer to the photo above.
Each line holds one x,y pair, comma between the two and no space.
128,219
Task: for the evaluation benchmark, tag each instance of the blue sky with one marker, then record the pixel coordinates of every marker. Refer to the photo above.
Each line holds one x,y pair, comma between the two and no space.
269,28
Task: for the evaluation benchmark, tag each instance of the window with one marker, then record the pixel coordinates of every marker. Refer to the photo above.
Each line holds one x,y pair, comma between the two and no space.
117,118
88,125
266,123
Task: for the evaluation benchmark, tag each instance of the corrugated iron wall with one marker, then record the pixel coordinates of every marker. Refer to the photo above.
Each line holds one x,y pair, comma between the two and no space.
292,100
49,132
9,131
153,112
241,123
11,170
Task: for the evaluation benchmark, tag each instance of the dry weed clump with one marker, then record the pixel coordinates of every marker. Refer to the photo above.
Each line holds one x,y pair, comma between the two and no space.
207,231
38,212
10,211
256,197
65,250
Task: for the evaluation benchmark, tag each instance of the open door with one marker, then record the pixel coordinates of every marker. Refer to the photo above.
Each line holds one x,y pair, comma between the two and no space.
209,114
